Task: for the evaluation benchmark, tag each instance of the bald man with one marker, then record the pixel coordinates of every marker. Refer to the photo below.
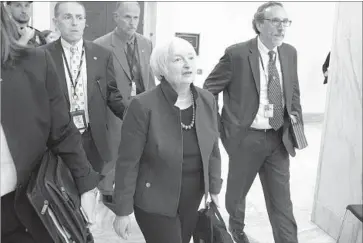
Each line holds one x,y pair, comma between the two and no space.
131,54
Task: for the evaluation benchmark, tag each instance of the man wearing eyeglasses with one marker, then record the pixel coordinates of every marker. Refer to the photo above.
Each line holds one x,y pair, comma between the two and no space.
261,94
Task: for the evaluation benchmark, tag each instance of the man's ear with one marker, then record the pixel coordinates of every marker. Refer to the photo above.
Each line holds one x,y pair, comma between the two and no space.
55,22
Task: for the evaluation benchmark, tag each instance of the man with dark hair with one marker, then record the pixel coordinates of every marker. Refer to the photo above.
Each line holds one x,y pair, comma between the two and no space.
131,55
20,12
261,94
88,81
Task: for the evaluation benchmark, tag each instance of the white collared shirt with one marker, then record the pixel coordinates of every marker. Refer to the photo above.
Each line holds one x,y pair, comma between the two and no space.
82,78
260,121
8,170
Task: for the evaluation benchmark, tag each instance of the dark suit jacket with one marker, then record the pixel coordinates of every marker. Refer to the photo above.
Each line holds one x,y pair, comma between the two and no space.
34,116
238,75
149,167
325,67
123,77
102,90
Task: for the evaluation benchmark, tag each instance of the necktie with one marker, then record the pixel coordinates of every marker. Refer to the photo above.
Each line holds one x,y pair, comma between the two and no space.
130,58
274,93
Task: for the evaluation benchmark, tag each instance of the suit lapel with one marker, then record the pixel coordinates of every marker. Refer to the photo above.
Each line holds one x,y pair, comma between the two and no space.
119,52
56,53
91,64
285,76
253,59
143,61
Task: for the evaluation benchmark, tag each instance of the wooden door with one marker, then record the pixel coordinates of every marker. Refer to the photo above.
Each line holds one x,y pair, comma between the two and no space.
100,19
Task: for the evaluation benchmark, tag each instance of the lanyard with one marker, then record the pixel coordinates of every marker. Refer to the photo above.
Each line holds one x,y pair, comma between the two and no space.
75,82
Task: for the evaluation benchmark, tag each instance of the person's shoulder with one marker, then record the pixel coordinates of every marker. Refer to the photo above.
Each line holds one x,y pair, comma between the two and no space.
239,46
97,48
104,39
288,47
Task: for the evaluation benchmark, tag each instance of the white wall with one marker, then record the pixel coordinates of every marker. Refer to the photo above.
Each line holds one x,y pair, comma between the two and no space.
222,24
339,178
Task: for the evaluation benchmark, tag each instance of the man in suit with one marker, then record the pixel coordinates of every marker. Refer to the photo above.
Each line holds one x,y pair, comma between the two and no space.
131,55
20,12
88,81
261,94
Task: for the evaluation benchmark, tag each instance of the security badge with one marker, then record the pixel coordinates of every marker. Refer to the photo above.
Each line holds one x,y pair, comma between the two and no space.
79,119
133,89
269,110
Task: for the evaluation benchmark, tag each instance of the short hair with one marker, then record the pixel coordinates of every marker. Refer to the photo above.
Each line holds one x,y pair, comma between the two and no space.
57,5
120,3
160,54
260,14
10,2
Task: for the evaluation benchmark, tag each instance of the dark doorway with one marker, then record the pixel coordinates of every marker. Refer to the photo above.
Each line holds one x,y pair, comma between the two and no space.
100,19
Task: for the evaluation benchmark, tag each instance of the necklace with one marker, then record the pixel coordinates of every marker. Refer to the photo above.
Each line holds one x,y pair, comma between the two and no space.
191,125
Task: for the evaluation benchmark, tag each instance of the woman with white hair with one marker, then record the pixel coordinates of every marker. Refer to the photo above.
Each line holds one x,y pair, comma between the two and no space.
169,155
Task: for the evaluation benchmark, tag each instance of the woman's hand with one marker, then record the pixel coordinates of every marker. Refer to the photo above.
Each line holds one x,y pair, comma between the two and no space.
122,226
215,199
26,33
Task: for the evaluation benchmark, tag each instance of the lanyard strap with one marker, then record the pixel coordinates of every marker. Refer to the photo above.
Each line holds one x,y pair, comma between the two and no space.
263,66
75,82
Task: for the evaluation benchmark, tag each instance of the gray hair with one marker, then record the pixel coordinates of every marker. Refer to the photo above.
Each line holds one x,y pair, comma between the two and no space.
160,54
58,4
260,14
121,4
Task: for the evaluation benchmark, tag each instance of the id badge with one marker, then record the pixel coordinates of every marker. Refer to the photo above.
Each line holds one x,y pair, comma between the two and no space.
79,119
133,88
269,110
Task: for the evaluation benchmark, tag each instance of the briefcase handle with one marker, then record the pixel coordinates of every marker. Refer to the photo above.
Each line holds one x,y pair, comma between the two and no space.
213,206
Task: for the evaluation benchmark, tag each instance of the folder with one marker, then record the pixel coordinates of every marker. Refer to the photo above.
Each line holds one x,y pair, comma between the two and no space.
298,137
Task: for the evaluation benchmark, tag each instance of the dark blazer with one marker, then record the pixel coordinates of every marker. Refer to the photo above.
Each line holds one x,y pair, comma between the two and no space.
149,167
325,67
238,75
123,77
102,90
34,116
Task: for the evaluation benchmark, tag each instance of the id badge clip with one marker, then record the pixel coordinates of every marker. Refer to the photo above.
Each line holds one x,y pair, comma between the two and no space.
79,119
133,89
269,110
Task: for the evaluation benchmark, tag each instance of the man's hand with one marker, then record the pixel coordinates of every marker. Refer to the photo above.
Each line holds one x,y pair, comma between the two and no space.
26,33
122,226
215,199
89,202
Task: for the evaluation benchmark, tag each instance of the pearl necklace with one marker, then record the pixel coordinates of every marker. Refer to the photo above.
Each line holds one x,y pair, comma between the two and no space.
191,125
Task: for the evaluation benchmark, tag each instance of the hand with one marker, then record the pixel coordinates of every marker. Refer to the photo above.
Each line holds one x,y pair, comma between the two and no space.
293,119
215,199
26,34
88,203
294,116
326,74
122,226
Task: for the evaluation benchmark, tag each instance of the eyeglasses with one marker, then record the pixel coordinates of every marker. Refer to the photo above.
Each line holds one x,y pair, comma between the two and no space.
276,22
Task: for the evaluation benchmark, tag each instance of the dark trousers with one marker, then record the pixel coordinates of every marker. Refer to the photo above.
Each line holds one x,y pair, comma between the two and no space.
12,230
95,159
163,229
264,153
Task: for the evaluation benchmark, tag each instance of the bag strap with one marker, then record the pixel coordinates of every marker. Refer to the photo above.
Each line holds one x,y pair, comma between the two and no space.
213,206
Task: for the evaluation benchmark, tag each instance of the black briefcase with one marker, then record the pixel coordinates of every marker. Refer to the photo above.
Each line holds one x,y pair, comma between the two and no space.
211,227
53,194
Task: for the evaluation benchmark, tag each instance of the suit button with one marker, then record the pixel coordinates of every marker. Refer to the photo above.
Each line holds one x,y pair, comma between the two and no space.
147,184
26,230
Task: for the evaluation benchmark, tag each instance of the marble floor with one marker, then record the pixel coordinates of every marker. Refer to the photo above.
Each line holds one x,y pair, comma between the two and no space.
303,176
